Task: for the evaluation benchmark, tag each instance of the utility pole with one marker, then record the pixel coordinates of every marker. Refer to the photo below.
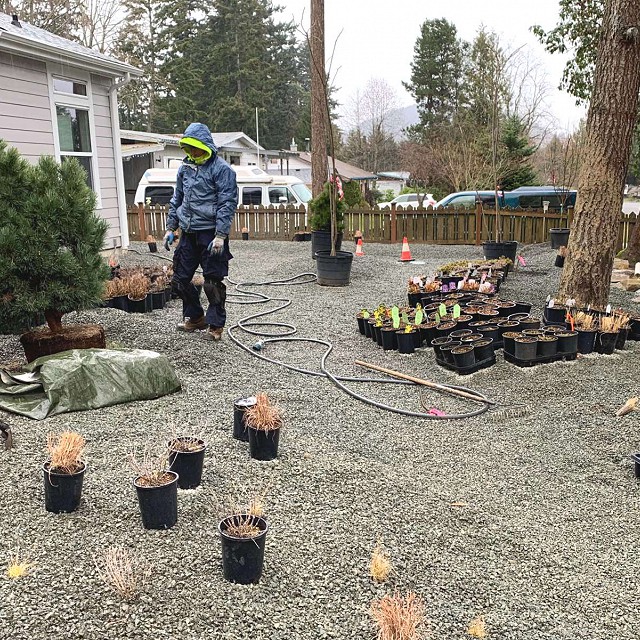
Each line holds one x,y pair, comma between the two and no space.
319,172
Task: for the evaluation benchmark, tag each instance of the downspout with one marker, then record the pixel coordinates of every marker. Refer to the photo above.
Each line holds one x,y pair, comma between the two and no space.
117,156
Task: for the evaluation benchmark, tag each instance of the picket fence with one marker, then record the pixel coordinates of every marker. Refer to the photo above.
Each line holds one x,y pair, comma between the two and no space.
427,226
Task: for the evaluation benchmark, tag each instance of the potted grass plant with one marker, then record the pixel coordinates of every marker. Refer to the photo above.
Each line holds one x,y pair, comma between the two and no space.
64,472
264,422
116,292
186,458
157,490
243,532
138,293
157,291
585,325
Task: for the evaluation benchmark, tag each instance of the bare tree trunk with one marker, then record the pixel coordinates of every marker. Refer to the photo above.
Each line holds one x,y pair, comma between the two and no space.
612,115
632,252
318,108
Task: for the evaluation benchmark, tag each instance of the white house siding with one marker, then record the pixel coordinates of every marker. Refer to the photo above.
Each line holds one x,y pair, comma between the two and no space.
25,109
106,157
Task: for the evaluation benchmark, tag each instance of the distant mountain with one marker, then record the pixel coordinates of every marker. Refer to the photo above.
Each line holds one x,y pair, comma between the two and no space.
399,119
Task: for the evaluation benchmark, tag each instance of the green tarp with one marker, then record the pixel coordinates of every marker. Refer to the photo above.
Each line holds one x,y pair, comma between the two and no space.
86,379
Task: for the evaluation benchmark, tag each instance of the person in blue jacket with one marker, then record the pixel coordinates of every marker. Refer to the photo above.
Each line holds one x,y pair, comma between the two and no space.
202,207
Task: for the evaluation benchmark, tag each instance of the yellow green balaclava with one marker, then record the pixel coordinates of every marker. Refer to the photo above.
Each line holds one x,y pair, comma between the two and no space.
194,142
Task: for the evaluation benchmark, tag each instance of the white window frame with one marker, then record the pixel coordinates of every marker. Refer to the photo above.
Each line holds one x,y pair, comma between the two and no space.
74,101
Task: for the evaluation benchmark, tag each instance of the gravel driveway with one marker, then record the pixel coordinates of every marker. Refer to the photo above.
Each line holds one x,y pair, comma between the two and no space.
545,546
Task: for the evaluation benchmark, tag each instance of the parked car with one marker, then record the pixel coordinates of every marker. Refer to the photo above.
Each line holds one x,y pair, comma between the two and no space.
468,199
409,200
522,197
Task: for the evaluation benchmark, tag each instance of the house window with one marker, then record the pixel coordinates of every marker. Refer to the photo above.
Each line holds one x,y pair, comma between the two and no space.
74,137
62,85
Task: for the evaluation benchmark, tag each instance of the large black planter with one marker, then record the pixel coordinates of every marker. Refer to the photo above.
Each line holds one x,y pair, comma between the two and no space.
120,302
586,340
334,271
526,348
606,342
559,238
140,306
567,342
406,342
157,300
158,505
389,340
243,558
494,250
263,445
321,241
187,464
62,491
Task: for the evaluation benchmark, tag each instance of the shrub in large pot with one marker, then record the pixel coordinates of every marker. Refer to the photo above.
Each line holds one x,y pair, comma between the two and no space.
264,422
50,243
320,208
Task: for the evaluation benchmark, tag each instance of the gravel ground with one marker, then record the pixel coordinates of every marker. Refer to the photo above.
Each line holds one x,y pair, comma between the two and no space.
545,546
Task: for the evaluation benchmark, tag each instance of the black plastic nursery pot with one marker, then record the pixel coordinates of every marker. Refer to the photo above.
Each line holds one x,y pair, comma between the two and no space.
606,342
526,347
417,338
529,323
508,341
263,445
522,307
415,298
636,464
494,250
463,321
483,349
389,339
158,505
547,346
463,356
361,322
505,309
406,342
567,342
555,314
334,271
243,558
187,464
167,295
446,350
491,331
367,327
586,340
375,334
62,491
240,405
321,241
437,343
157,300
140,306
445,328
458,334
427,332
559,261
622,337
559,237
120,302
472,339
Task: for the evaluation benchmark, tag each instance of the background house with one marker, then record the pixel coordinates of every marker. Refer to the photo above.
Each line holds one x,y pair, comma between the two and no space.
142,150
59,98
394,180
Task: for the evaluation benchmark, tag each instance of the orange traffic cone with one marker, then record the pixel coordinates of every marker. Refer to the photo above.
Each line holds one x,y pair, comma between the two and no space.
405,256
359,251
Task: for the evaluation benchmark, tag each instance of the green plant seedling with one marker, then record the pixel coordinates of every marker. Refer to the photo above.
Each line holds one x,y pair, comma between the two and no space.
437,318
419,316
442,310
395,315
456,311
365,314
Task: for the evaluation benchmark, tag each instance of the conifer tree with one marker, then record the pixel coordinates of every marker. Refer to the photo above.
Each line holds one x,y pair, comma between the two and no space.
50,241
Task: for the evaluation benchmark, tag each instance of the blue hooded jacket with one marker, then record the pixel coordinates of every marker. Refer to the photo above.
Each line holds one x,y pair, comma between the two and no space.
206,195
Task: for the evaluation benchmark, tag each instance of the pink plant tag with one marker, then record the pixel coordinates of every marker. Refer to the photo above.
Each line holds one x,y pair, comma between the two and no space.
522,261
436,412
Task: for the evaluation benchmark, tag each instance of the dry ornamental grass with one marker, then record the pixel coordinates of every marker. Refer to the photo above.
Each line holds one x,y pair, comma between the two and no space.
18,566
263,415
151,471
242,526
477,628
399,617
124,574
186,444
65,451
380,567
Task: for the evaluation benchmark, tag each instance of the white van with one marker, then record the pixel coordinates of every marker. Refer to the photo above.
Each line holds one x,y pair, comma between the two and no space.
255,187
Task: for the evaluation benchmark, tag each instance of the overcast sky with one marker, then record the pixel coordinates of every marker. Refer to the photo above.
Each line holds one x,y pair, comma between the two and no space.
378,37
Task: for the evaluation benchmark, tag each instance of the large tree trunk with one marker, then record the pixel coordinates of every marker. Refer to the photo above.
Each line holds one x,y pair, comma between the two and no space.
318,105
610,123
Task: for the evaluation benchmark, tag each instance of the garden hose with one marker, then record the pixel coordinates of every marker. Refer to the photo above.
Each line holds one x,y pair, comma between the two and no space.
283,332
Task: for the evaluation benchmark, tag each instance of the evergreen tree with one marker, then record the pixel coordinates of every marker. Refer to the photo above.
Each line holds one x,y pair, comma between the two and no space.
436,73
50,242
516,154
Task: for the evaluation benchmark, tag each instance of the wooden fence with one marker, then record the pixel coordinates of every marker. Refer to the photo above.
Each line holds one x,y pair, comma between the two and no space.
426,226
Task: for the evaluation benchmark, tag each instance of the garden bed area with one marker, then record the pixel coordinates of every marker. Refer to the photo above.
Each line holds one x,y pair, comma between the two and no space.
526,515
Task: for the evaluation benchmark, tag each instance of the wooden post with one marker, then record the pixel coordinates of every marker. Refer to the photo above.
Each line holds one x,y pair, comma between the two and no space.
394,224
478,223
141,224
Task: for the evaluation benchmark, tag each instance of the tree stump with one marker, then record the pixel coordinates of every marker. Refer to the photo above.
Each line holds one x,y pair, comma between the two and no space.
44,342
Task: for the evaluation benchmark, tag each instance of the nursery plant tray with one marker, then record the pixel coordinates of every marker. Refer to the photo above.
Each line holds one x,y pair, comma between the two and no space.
483,364
541,360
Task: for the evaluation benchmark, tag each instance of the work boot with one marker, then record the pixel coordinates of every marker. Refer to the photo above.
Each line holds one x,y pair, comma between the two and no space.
193,325
214,333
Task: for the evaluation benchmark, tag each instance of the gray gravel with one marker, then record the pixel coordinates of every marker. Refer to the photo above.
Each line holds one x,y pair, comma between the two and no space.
546,547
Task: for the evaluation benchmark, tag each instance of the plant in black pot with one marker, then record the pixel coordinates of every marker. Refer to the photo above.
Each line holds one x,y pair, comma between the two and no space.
157,490
64,472
116,292
158,292
138,293
585,325
264,422
320,219
186,458
243,533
